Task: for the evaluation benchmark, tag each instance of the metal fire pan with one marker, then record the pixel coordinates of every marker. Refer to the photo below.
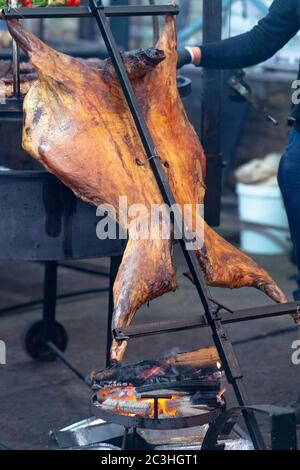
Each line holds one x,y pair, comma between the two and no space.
151,423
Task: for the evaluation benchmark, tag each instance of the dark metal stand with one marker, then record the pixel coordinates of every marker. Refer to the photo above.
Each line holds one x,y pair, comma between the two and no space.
46,340
39,333
283,426
211,310
191,322
50,294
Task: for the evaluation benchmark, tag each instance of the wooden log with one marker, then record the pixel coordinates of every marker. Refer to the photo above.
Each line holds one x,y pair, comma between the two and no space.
175,403
203,357
184,407
142,408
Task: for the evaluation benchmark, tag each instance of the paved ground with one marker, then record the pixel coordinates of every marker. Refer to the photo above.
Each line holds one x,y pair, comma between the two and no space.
36,398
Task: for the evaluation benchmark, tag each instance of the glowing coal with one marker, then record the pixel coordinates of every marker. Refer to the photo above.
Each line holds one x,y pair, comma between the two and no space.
177,384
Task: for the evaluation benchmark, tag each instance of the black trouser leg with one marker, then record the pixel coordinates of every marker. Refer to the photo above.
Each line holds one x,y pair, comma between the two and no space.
289,182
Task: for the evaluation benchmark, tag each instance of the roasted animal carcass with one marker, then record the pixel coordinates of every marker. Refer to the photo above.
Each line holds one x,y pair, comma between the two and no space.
27,75
78,125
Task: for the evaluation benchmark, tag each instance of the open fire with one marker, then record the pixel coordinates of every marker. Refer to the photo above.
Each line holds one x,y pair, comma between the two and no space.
181,384
124,400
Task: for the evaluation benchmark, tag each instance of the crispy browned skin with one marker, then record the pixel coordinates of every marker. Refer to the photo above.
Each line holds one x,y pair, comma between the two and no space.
78,125
28,75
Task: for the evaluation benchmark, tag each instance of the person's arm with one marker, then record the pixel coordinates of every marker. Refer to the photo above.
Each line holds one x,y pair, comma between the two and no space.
262,42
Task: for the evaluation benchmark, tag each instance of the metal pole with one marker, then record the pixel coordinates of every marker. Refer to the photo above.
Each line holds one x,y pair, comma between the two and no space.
49,302
211,115
68,363
120,26
86,12
16,62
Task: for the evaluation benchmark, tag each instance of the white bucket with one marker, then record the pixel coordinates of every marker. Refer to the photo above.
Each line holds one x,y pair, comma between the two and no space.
262,205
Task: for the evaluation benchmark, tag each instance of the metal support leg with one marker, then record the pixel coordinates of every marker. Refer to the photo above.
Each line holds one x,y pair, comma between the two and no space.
115,262
283,426
124,440
42,334
49,304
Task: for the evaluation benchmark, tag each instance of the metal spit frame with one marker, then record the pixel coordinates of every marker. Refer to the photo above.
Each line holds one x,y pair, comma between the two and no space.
211,317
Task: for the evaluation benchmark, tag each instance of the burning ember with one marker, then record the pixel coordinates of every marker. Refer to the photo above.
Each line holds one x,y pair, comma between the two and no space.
125,401
172,386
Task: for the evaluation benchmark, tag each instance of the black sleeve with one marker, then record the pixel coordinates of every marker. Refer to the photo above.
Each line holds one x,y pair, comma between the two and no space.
264,40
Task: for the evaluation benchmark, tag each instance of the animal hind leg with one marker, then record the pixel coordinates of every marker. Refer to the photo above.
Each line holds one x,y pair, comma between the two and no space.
146,272
226,266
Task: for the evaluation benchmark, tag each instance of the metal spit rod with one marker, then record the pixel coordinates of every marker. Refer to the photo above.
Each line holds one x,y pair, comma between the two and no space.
85,12
16,62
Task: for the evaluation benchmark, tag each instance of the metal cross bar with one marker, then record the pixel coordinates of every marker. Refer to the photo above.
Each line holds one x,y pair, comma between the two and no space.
220,337
86,12
156,328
